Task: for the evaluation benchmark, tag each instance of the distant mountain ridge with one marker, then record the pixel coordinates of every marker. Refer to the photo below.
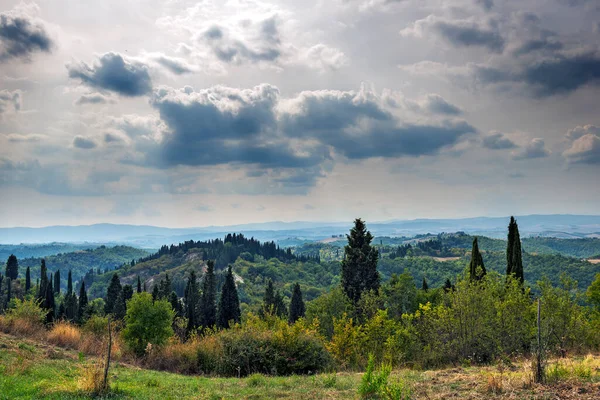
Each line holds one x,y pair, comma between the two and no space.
555,225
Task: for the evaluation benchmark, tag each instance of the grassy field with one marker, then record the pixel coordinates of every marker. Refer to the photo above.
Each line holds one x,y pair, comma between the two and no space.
30,370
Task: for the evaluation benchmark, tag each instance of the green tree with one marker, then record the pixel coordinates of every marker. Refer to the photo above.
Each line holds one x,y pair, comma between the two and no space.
191,300
359,266
208,300
8,292
82,311
229,303
49,303
112,292
514,256
476,268
43,281
69,283
176,304
400,295
139,285
120,307
593,292
12,267
147,322
27,280
424,285
297,307
327,308
57,282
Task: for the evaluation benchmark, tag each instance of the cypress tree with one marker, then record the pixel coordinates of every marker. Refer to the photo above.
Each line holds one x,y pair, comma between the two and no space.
43,281
27,280
229,303
359,266
476,268
139,285
83,303
191,300
12,267
127,292
112,292
297,307
448,286
164,288
145,290
514,256
49,304
62,311
208,300
268,306
424,285
69,284
57,282
155,293
176,304
120,307
280,308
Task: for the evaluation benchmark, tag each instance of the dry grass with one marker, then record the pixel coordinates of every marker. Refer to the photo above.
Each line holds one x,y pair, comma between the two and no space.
91,378
24,327
65,335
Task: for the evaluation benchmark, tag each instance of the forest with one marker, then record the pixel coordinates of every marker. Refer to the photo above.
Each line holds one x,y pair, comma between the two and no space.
236,307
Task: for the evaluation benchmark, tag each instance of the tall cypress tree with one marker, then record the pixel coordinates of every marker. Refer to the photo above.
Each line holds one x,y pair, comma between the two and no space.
43,281
69,284
359,266
120,308
208,301
12,267
191,300
514,256
424,285
57,282
176,304
27,280
82,312
268,306
139,285
297,307
112,292
49,303
476,268
229,303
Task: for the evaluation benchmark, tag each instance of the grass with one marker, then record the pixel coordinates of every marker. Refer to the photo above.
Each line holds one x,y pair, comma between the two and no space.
38,370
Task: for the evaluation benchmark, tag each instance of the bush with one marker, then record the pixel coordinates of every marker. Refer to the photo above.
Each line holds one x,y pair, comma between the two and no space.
147,322
25,319
375,385
272,347
64,334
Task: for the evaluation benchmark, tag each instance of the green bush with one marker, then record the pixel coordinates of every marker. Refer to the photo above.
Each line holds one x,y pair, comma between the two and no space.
272,347
375,385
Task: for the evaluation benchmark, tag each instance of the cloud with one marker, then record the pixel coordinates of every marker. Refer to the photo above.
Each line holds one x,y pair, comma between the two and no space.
585,145
93,98
22,35
30,138
257,41
175,65
204,208
459,33
114,73
437,105
324,58
497,141
357,125
82,142
486,4
10,101
534,149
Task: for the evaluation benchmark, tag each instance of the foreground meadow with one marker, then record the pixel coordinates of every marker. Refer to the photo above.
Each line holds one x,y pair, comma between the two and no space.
36,370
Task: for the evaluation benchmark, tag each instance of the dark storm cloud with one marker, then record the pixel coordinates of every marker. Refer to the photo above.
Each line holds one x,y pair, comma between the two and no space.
438,105
21,36
462,34
497,141
114,73
82,142
544,44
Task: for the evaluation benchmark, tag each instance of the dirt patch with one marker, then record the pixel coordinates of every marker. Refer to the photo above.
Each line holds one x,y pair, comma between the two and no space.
594,260
444,259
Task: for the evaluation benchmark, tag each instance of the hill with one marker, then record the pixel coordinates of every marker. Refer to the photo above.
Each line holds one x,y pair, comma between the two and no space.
41,250
80,261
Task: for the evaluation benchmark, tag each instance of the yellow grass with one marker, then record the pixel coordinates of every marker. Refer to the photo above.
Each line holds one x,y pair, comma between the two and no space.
64,334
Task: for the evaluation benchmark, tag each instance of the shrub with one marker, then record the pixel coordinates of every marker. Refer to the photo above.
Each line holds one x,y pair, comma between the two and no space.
375,385
147,322
175,356
272,347
25,319
64,334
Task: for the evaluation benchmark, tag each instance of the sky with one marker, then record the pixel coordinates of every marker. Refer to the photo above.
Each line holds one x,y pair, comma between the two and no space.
193,113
